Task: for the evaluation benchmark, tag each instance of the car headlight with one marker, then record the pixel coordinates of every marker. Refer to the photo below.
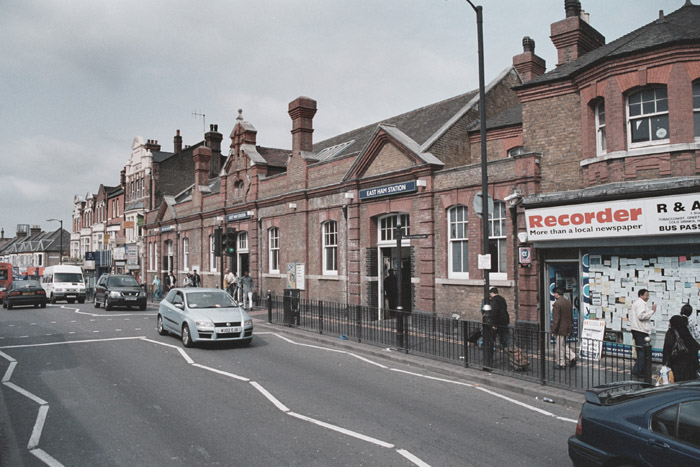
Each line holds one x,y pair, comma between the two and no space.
248,322
204,325
115,294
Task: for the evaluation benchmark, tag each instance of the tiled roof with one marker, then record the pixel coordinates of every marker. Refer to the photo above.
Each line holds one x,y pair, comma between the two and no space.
511,117
681,26
274,157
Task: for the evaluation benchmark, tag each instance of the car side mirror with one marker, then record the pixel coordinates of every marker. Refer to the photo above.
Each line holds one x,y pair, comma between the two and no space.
180,306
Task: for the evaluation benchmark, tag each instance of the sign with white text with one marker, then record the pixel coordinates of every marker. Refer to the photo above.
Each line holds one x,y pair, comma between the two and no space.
592,339
668,215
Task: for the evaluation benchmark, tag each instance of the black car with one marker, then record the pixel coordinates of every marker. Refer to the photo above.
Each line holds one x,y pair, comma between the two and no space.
119,290
636,424
25,292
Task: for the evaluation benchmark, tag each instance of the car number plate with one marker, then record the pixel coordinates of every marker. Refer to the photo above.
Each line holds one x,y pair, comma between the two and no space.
27,293
131,299
228,330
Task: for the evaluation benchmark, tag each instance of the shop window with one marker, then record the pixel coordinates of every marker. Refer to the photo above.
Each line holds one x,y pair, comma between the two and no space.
696,109
600,143
497,238
212,255
647,117
330,248
458,242
186,253
273,236
387,226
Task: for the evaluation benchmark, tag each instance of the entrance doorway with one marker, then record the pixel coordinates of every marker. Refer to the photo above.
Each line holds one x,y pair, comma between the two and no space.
565,275
394,294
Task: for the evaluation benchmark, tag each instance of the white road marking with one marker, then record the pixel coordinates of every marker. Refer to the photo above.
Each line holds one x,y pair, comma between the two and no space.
225,373
412,458
38,427
47,459
344,431
25,393
270,397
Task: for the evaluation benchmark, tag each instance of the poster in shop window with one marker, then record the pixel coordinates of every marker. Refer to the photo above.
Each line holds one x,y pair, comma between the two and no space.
592,339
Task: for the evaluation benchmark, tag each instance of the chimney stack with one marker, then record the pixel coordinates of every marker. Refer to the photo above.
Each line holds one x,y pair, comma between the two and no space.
212,140
177,143
573,36
152,145
202,160
302,111
527,63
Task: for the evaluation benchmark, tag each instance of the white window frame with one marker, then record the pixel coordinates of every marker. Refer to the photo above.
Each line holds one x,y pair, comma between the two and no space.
387,227
600,133
273,250
242,241
696,109
329,235
170,255
458,236
497,236
648,117
212,255
156,257
186,253
150,256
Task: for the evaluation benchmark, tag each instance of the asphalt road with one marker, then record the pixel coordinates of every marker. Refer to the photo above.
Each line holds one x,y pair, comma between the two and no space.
86,387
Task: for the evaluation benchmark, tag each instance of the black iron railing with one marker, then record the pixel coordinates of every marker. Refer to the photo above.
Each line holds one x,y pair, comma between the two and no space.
522,353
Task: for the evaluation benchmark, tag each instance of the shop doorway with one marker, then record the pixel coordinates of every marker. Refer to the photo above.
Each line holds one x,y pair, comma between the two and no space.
565,275
242,265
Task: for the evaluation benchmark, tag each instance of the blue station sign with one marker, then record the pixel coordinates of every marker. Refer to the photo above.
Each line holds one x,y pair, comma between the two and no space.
388,190
238,216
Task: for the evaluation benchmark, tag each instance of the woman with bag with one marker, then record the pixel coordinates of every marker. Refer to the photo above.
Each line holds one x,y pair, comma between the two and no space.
681,350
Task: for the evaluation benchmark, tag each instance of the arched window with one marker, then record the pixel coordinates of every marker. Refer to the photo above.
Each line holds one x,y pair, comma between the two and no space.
600,137
647,117
273,249
330,248
458,242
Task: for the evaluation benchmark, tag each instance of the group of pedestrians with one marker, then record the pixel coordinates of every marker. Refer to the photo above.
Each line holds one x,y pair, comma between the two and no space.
241,288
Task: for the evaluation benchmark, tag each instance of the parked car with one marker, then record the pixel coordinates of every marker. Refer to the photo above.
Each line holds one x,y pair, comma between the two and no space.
114,290
204,315
24,292
636,424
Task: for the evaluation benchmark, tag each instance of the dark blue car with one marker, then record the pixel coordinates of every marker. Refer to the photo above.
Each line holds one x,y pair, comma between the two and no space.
636,424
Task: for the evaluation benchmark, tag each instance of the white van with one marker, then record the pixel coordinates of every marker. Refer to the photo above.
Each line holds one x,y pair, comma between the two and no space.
64,282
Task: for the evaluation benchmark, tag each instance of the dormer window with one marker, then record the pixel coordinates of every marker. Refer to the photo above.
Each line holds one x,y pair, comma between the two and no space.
647,116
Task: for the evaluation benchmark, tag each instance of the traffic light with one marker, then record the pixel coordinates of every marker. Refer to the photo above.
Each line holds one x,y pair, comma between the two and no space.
229,242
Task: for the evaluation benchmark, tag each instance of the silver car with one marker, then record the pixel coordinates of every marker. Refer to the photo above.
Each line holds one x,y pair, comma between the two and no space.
204,315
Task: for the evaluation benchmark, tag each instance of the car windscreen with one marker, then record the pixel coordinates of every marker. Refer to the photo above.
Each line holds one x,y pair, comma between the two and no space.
209,300
122,281
68,277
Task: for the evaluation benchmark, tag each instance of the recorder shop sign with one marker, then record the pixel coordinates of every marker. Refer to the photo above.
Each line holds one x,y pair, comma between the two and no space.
678,214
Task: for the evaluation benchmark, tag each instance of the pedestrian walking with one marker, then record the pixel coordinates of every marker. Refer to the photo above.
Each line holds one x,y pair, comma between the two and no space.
171,280
681,350
562,328
501,320
687,311
188,280
157,288
247,286
229,281
196,280
390,291
640,324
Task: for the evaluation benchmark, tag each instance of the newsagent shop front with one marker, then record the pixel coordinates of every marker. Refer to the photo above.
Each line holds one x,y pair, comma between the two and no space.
603,253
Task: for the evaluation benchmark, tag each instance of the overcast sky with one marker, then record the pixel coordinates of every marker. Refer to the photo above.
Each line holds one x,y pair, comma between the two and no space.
79,79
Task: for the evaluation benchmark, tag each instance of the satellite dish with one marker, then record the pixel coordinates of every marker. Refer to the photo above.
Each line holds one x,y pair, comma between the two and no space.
478,204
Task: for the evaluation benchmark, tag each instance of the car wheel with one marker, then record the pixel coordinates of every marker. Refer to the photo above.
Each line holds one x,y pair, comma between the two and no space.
159,326
4,304
53,299
81,300
108,305
36,305
95,302
186,337
9,305
43,304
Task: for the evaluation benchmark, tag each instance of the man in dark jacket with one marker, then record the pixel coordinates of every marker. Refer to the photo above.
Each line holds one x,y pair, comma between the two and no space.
500,318
562,327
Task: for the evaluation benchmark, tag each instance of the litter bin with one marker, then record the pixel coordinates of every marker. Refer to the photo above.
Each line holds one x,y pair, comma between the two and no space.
291,307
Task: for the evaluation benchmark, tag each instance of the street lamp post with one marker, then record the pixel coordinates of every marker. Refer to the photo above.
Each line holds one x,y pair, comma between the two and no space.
486,308
60,254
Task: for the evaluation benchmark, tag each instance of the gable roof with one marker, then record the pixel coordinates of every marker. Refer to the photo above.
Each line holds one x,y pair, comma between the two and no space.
678,27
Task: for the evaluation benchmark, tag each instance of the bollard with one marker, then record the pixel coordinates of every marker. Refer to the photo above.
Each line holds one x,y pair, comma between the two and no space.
647,359
269,306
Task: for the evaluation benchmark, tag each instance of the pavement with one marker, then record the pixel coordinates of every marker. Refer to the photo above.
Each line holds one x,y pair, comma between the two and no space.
538,392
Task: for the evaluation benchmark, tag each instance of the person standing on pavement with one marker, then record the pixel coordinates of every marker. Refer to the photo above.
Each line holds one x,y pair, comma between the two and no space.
171,280
562,327
157,288
640,324
247,286
501,320
196,280
683,364
390,291
687,311
229,281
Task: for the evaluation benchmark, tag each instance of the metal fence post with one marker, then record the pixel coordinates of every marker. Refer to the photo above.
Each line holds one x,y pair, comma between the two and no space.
269,306
465,343
647,359
399,327
320,317
358,322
